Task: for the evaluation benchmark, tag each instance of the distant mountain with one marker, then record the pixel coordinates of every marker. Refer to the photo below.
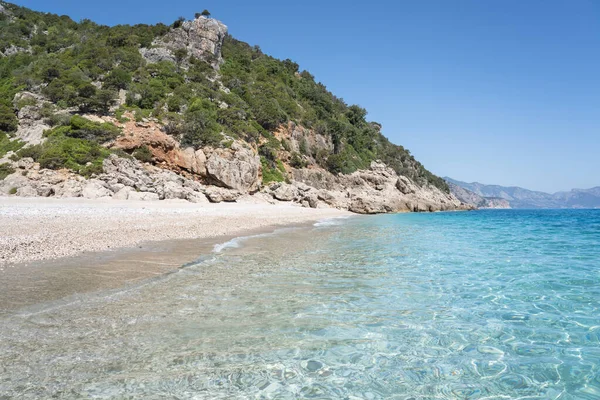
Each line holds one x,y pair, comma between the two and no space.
518,197
469,197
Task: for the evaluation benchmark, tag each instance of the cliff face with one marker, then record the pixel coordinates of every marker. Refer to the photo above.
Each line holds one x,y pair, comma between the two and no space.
201,38
190,123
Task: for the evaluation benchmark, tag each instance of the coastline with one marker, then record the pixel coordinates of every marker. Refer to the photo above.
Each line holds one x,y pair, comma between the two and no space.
54,248
38,229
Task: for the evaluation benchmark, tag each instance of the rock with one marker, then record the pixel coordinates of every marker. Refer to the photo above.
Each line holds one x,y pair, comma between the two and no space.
257,198
202,38
27,191
12,50
123,194
285,192
376,190
197,197
173,190
218,194
157,54
94,189
45,190
192,160
70,188
25,163
312,200
164,148
31,125
236,168
128,172
200,166
404,185
114,186
142,196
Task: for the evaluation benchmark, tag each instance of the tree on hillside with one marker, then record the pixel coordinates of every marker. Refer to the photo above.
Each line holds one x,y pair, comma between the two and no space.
204,13
179,22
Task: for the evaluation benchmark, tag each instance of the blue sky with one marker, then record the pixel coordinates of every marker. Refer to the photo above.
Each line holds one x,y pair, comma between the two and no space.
500,91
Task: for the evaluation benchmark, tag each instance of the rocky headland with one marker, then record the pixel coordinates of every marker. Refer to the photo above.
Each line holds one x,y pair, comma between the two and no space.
163,149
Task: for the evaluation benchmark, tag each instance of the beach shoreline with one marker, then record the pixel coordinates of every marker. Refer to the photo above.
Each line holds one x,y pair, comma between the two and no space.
55,248
38,229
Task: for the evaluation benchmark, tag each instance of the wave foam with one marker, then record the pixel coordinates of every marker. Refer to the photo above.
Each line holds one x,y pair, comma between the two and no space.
335,221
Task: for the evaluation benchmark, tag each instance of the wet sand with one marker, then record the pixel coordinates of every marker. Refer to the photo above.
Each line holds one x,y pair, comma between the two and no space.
52,249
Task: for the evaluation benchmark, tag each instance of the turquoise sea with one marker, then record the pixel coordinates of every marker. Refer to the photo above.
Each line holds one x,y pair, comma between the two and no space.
479,305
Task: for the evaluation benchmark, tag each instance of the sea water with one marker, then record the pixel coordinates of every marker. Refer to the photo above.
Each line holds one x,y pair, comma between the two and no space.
479,305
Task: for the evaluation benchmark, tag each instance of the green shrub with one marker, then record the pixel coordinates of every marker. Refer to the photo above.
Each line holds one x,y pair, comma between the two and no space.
297,161
143,154
270,149
304,147
7,145
60,151
83,128
8,119
12,191
5,170
117,79
200,127
270,173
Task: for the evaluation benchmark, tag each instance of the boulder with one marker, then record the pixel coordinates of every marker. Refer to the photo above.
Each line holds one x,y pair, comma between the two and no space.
197,197
217,194
26,191
69,188
45,190
95,189
123,194
236,168
142,196
404,185
284,192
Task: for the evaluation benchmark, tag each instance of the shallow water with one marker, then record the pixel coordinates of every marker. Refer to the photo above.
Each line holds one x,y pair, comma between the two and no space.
488,304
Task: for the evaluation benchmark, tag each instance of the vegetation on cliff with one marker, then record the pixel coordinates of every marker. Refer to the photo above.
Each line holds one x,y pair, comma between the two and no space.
82,67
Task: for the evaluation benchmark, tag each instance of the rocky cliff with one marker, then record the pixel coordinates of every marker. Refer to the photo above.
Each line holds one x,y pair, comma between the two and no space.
165,114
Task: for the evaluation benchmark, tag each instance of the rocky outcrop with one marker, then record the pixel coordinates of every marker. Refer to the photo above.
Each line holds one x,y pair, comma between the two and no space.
377,190
235,168
31,124
303,140
166,151
201,38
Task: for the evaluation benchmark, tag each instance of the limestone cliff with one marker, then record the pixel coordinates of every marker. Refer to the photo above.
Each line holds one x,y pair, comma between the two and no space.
201,38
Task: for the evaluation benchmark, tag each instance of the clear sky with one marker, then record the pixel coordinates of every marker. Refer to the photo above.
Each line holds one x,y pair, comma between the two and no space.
500,91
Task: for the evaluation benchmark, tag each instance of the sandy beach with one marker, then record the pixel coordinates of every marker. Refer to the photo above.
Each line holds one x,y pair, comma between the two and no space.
35,229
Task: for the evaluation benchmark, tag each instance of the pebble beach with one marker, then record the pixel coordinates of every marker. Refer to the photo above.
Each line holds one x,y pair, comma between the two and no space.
36,229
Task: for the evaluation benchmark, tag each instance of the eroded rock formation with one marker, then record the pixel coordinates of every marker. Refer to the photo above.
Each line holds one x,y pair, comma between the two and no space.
201,38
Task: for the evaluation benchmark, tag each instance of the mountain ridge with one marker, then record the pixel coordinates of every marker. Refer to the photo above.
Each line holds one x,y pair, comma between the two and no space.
519,197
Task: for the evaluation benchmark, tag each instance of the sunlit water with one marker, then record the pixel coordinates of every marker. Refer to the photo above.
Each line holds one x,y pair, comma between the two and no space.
488,304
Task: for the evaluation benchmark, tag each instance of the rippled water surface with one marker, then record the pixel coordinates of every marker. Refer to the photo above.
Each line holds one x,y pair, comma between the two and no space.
488,304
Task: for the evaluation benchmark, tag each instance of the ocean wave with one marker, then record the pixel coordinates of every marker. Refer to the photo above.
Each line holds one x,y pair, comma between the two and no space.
238,241
334,221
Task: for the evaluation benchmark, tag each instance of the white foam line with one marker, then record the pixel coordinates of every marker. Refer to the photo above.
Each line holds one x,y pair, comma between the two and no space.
237,241
333,221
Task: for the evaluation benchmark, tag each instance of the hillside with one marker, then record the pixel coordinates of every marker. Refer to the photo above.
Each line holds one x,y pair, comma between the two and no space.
89,105
523,198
